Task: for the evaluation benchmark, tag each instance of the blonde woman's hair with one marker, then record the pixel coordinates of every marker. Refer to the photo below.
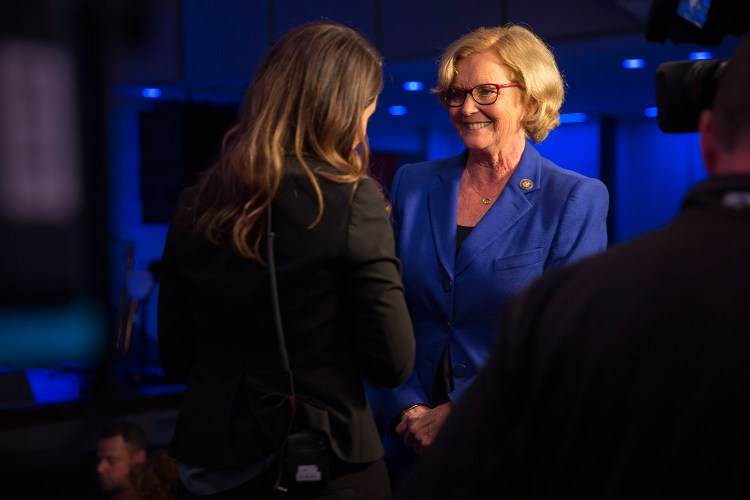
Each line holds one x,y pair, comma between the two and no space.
532,66
307,99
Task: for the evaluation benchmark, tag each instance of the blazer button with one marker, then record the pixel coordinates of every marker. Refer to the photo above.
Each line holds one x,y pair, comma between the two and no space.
447,284
448,326
460,370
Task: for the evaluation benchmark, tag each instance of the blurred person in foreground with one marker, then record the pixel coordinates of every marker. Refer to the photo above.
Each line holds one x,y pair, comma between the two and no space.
300,146
626,375
474,229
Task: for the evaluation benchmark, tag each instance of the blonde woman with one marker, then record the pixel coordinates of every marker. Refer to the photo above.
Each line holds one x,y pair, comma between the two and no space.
474,229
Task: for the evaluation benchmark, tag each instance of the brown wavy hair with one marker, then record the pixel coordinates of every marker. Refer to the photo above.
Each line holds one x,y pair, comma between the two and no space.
307,99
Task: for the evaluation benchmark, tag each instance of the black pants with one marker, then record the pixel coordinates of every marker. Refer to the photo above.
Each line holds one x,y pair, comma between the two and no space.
347,481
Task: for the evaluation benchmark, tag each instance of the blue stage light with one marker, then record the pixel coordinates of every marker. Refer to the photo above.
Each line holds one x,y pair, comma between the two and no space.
151,93
397,110
413,86
633,63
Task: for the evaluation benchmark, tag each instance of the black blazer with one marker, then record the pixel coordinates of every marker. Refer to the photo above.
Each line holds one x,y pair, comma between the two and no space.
344,318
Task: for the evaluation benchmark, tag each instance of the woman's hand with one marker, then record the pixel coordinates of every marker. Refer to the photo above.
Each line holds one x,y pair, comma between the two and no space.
420,425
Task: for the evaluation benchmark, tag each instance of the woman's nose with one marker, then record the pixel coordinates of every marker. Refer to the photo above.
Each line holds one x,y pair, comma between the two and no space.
469,106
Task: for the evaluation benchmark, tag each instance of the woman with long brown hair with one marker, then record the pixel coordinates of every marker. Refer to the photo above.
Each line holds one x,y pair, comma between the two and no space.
299,149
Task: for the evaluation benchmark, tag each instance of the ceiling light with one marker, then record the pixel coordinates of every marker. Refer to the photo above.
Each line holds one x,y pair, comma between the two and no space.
397,110
633,63
151,93
413,86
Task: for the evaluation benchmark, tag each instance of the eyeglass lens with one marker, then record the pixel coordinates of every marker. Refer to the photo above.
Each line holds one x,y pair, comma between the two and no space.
482,94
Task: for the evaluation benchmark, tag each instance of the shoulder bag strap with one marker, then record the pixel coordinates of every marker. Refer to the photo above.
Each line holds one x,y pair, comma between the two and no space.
277,310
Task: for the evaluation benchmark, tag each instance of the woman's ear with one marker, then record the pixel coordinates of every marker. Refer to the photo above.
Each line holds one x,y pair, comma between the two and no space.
708,141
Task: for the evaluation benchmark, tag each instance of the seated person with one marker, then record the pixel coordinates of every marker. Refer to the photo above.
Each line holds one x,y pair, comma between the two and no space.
121,455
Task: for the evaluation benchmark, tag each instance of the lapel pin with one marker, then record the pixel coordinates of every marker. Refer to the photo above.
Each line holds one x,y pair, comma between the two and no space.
526,184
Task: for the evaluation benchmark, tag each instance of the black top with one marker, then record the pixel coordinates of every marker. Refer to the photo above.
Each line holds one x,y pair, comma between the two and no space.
344,316
462,232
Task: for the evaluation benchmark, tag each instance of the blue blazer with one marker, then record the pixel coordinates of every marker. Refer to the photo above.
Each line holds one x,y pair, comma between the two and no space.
557,218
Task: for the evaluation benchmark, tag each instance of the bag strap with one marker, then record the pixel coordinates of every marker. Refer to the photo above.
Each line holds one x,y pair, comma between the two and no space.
285,366
280,483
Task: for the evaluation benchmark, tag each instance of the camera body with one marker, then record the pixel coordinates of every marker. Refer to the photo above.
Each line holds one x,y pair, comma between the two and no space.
685,88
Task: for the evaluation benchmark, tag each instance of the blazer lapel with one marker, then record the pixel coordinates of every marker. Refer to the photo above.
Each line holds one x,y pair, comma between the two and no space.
443,208
507,210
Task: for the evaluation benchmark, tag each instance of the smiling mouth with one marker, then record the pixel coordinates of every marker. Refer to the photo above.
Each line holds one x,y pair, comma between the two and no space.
476,125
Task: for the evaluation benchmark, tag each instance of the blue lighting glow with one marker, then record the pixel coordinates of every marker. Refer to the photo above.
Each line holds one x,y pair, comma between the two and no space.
633,63
45,336
572,117
151,93
397,110
696,56
413,86
651,112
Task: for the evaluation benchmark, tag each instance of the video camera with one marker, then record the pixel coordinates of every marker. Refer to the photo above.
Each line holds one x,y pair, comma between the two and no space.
685,88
